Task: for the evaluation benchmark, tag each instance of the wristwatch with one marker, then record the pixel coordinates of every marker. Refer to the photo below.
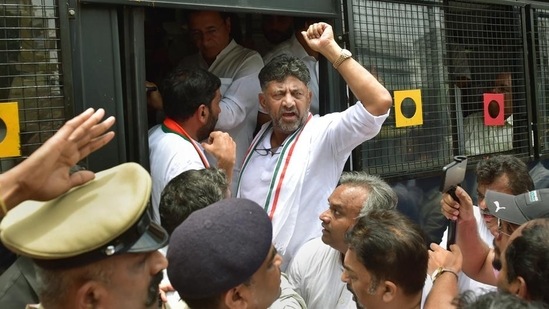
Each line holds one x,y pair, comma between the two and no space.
345,54
439,271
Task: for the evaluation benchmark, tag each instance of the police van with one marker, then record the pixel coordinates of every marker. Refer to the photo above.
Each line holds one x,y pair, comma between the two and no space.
442,60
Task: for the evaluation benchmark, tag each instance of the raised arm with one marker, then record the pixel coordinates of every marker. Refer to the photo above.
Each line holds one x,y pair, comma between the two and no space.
223,148
477,256
375,98
45,173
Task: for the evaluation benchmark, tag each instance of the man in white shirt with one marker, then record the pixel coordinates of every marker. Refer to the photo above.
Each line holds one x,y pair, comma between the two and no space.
316,270
504,174
191,103
520,256
482,139
237,67
295,161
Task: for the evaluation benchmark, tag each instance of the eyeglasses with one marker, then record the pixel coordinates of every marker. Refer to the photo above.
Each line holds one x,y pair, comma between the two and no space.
266,151
500,228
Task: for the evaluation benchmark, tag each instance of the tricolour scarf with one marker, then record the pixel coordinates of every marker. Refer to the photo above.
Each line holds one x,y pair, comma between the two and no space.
285,185
170,126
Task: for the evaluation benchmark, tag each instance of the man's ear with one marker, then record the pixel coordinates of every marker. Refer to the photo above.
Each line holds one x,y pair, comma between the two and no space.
202,113
262,101
520,288
90,295
389,291
236,298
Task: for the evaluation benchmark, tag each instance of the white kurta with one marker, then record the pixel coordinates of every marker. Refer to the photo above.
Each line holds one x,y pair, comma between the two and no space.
169,156
481,139
237,67
315,272
312,174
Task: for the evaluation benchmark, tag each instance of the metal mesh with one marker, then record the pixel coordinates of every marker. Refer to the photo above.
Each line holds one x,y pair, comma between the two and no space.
452,52
541,30
30,69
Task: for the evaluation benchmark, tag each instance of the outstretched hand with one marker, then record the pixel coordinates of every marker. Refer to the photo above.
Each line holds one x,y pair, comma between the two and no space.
45,175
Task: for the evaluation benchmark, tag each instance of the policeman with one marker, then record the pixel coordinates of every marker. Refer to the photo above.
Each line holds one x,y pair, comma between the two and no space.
94,246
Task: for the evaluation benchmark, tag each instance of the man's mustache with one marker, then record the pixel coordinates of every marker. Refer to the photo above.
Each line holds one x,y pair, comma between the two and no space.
154,288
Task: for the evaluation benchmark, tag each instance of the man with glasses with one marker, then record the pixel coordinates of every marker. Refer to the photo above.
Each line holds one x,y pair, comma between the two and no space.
520,257
237,67
306,154
512,211
528,246
479,261
480,138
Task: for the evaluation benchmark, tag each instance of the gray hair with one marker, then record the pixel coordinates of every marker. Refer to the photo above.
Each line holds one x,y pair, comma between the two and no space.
281,67
380,194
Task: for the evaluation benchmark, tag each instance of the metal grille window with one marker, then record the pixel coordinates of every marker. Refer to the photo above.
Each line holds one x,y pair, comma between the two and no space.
30,69
453,53
541,29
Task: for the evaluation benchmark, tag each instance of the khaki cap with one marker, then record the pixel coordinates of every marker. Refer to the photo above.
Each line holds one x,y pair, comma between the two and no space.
104,217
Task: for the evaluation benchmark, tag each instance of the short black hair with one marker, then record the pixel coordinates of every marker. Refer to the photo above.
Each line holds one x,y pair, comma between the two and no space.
282,66
527,256
386,242
185,89
488,170
494,299
188,192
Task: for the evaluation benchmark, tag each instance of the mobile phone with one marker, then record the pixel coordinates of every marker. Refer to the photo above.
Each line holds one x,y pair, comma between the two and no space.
452,176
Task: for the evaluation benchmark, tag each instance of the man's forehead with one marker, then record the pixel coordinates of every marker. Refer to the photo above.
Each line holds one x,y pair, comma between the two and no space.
503,79
349,197
500,184
217,94
270,256
350,261
289,82
204,19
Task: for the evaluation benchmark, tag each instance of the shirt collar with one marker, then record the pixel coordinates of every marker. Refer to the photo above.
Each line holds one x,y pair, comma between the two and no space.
227,49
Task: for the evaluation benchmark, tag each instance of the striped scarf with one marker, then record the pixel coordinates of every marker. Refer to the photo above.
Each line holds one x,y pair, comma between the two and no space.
281,167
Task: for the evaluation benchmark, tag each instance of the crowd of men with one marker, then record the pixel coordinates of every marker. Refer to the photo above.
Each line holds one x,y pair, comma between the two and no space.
215,225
